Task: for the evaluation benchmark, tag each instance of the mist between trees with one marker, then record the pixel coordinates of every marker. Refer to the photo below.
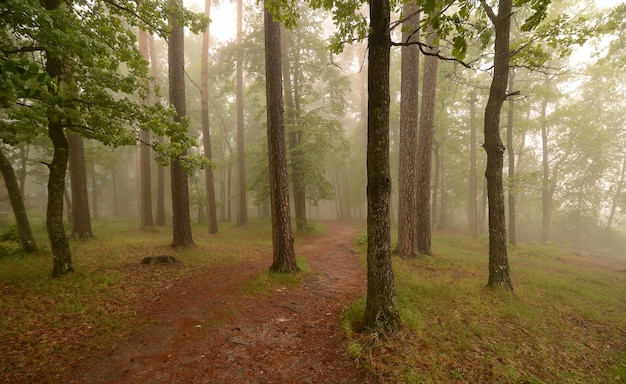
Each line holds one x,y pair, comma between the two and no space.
347,113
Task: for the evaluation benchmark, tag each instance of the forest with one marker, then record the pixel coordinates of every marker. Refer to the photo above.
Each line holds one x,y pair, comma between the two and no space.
411,191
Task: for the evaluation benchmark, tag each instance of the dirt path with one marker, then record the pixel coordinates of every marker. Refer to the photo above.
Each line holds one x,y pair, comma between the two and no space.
208,331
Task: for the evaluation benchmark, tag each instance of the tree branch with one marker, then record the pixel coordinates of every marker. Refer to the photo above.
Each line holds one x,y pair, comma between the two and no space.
492,16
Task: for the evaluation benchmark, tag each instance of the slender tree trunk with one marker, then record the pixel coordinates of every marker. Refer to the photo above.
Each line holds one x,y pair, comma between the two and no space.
62,256
511,156
499,275
94,190
618,193
407,180
294,135
17,204
21,174
144,153
206,132
284,258
116,211
160,201
425,145
381,309
437,152
546,197
473,199
181,218
242,215
81,221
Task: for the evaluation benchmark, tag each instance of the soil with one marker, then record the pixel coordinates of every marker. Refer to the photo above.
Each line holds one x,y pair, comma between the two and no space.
208,330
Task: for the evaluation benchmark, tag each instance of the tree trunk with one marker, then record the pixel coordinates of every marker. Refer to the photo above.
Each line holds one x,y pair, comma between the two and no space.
499,276
94,189
299,197
181,218
284,258
206,132
618,193
546,197
511,155
144,154
81,221
17,204
425,149
407,180
473,203
160,202
436,186
381,309
242,215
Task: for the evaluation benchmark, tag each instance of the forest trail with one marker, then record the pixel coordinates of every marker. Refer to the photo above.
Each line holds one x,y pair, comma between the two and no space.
211,331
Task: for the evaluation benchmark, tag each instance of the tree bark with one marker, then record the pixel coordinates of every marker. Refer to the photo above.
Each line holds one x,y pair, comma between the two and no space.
499,275
144,153
284,258
381,309
206,132
242,215
511,157
409,105
181,218
17,204
81,221
425,149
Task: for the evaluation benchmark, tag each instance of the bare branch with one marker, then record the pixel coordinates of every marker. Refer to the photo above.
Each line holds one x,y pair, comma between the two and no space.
492,16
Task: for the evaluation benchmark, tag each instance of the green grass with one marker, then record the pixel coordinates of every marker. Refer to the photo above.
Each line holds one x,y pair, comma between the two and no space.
565,322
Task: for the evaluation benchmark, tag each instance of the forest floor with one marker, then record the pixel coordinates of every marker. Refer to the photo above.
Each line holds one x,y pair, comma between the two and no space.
207,329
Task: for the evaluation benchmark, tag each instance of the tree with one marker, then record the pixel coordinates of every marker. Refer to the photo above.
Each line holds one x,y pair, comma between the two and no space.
295,136
242,215
473,205
284,259
17,204
407,179
206,133
181,218
425,144
144,152
499,274
160,201
381,309
81,221
512,184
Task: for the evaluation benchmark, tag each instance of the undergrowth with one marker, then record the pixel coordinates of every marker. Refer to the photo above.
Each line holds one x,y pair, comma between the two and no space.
564,323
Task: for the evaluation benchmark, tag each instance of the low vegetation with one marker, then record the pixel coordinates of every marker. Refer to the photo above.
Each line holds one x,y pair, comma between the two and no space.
564,323
48,322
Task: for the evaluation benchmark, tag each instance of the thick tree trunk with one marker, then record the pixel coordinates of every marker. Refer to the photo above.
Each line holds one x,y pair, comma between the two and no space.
181,218
81,220
499,276
242,215
206,132
17,204
284,258
425,149
473,195
381,309
144,153
407,180
511,156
